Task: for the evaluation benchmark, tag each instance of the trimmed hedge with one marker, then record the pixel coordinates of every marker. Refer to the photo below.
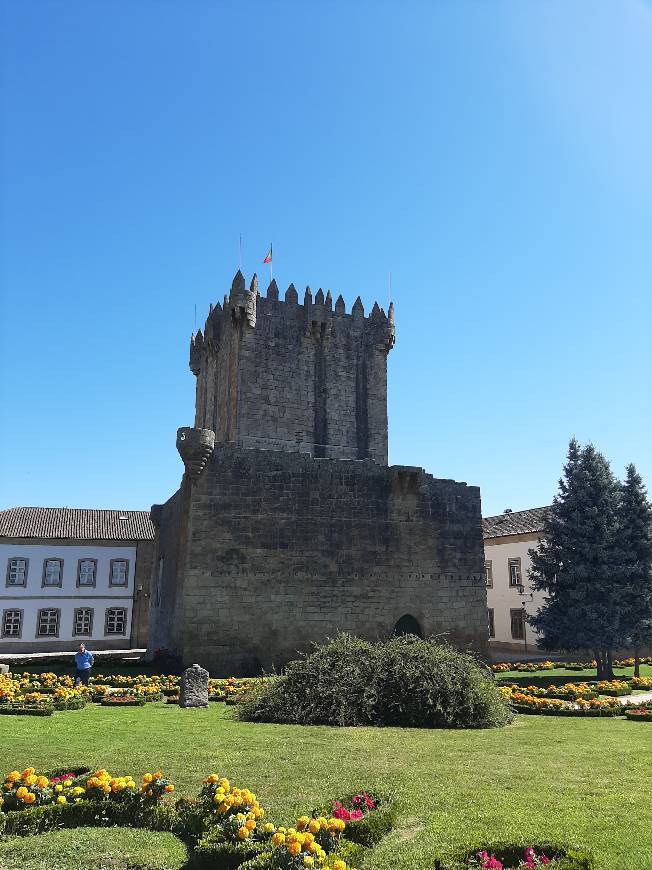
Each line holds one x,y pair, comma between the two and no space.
187,821
568,711
88,813
19,710
566,856
210,853
639,715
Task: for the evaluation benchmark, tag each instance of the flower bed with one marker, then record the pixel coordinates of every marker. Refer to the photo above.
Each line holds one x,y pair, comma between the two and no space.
639,714
123,701
567,692
223,827
369,817
533,667
522,702
509,856
615,688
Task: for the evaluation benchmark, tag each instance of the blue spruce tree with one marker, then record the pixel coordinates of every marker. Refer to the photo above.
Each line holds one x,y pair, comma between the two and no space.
576,562
635,541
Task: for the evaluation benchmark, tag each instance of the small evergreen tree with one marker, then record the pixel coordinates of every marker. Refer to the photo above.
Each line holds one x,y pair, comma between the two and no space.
576,562
635,540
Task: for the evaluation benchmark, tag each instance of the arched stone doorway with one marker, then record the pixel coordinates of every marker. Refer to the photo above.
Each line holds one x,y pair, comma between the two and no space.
407,624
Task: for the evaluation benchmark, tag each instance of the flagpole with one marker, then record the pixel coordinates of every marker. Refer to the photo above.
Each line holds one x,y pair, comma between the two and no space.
271,259
240,252
390,288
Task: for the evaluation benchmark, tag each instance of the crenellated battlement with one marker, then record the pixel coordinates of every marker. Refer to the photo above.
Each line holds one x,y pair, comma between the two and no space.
284,375
249,305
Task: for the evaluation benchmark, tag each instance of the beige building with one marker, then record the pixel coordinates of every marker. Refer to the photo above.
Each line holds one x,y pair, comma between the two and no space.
73,575
510,596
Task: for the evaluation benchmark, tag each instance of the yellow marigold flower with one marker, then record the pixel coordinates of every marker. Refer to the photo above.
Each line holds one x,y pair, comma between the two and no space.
314,826
106,789
21,792
28,772
250,825
169,787
302,823
61,799
308,861
268,828
278,839
58,787
42,782
243,833
14,776
225,784
259,812
294,848
29,798
158,774
31,779
147,777
339,865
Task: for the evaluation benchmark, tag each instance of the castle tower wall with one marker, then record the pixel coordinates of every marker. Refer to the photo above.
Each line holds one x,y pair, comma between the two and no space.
289,526
281,375
283,550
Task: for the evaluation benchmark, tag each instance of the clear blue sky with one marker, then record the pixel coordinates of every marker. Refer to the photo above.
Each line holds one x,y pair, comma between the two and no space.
496,157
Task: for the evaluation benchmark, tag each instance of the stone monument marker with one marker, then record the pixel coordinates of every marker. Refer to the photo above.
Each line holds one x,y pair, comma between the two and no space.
194,687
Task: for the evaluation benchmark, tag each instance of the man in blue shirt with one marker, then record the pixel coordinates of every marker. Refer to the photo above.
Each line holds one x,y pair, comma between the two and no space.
84,661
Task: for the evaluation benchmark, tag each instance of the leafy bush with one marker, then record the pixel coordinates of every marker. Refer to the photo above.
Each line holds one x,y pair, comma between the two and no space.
406,682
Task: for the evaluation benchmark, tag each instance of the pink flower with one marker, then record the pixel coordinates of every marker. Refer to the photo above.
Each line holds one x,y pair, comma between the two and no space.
355,815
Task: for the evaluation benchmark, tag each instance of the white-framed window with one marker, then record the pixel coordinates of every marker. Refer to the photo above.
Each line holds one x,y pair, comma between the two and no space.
17,571
490,618
52,572
83,621
116,620
517,620
86,572
119,572
489,574
514,572
12,623
47,623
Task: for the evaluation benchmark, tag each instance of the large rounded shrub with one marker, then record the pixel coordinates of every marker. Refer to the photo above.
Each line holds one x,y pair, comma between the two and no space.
406,682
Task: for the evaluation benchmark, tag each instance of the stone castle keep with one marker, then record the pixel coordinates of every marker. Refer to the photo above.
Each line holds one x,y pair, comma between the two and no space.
289,526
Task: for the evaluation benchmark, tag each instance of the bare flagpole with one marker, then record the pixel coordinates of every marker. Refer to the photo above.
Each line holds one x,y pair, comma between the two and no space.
240,252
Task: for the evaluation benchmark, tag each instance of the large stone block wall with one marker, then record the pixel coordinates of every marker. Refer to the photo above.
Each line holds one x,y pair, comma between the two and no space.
269,551
281,375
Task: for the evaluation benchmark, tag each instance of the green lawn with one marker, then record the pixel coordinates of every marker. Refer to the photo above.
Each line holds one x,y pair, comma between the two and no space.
587,780
562,675
117,848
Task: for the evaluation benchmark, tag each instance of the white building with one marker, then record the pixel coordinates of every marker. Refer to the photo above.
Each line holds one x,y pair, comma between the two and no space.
73,575
510,596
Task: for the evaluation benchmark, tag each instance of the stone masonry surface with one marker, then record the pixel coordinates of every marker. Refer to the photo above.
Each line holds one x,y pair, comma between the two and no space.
289,526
